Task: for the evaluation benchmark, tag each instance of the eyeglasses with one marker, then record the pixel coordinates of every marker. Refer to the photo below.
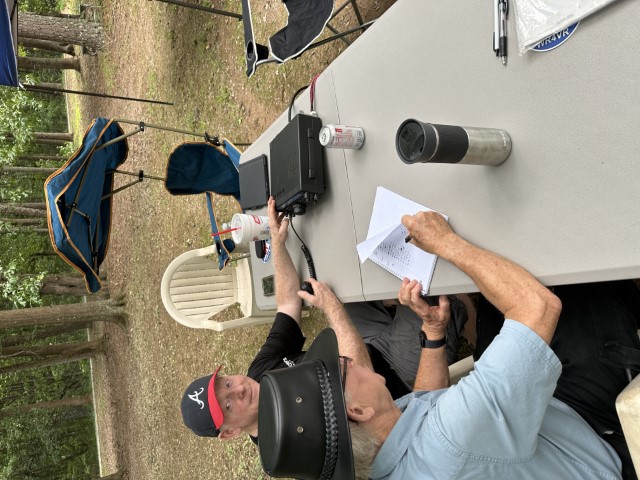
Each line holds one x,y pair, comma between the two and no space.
344,362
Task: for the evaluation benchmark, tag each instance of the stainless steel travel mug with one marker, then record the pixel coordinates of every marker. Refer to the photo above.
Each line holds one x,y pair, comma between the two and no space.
432,143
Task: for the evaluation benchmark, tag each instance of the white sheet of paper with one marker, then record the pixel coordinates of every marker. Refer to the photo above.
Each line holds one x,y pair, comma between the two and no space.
537,19
385,243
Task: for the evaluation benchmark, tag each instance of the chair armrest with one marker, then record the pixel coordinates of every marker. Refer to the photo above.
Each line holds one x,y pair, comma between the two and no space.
165,285
460,369
628,408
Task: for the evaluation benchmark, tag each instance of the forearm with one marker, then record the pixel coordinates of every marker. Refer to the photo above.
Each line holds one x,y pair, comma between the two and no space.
350,342
513,290
287,282
433,371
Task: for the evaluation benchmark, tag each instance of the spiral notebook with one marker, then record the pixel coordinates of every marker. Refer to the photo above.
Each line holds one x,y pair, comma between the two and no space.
385,243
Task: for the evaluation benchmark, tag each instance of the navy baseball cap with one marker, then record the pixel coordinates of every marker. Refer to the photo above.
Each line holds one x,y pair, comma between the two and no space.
200,409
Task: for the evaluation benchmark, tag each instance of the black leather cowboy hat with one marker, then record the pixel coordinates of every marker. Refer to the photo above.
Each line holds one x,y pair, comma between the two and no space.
302,418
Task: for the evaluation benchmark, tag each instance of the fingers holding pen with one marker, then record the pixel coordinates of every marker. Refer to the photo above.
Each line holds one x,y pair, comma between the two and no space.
427,230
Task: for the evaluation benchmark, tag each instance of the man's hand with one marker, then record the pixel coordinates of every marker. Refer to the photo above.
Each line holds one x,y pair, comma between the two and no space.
508,286
322,298
350,342
434,319
286,277
428,230
278,223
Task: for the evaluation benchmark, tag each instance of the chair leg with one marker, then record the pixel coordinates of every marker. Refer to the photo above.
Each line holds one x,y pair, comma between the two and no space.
337,11
347,42
356,10
364,26
195,6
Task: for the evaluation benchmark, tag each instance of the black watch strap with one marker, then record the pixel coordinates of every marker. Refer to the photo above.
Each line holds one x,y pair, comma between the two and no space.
426,343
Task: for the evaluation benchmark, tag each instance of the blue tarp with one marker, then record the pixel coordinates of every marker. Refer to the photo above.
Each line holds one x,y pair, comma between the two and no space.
8,43
79,217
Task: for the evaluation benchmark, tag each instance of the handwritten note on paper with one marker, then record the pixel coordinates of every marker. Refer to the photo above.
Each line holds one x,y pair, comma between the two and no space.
385,240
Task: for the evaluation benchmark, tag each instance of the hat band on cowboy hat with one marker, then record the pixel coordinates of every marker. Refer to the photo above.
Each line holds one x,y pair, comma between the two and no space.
302,419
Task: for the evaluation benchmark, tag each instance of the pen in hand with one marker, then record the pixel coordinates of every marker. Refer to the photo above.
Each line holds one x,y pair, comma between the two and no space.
407,239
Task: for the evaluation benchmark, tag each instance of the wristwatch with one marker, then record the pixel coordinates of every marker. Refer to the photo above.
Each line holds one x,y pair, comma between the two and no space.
426,343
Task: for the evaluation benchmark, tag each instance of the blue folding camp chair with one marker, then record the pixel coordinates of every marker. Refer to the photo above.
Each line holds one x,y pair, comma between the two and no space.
306,20
79,195
205,167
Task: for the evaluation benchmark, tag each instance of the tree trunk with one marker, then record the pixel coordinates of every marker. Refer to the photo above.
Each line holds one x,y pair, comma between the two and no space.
22,221
63,285
72,281
119,475
61,30
50,288
46,63
36,205
46,45
37,170
55,143
50,253
61,15
47,362
13,209
63,402
62,137
66,136
58,86
58,349
111,310
31,230
34,157
13,340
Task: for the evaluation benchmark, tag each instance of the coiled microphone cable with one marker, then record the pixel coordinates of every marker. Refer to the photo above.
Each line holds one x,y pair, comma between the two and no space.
305,251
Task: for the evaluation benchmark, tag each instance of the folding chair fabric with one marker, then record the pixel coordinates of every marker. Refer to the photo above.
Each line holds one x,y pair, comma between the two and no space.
307,19
201,167
79,201
306,22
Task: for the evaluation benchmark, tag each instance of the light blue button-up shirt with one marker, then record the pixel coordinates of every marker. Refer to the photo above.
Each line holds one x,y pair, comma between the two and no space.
500,422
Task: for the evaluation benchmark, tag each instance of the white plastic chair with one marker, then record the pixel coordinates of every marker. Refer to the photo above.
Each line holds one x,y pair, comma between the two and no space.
460,369
194,289
628,408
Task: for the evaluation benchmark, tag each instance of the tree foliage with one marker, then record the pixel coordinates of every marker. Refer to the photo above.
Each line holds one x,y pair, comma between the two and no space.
18,109
21,114
54,443
20,290
41,6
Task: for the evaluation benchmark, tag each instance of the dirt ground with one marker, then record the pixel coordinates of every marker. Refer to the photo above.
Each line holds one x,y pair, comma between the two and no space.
195,60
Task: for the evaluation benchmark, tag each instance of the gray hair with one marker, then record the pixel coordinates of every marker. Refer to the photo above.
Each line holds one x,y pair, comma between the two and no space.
365,447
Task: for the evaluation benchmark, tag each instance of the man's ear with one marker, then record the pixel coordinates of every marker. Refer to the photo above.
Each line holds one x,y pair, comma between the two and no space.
229,434
359,413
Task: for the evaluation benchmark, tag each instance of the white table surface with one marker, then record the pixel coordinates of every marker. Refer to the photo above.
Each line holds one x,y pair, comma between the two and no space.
566,203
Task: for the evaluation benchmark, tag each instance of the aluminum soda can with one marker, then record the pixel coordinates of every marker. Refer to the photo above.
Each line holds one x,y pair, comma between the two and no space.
341,136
